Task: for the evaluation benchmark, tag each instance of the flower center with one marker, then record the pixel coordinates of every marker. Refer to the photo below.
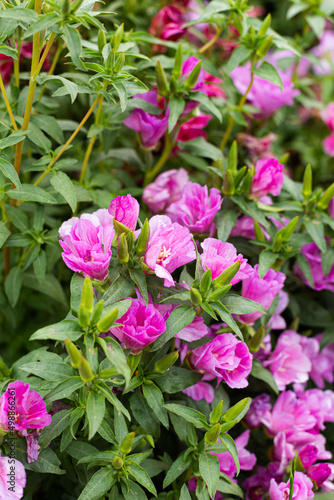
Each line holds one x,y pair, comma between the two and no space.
164,254
88,257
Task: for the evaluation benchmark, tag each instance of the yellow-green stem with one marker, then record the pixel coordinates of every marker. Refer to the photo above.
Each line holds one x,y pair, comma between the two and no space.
91,143
211,42
151,174
9,109
17,62
81,124
52,68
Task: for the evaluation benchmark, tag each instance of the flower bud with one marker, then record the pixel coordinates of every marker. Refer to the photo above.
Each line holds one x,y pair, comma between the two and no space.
219,292
228,184
65,8
255,342
117,462
163,87
96,314
288,231
307,181
216,413
85,370
73,353
195,296
193,77
110,62
107,320
233,158
46,8
226,276
258,231
234,412
166,362
101,40
87,302
265,46
246,183
143,238
212,435
178,62
118,36
206,281
122,249
264,26
326,197
277,244
120,228
239,175
127,443
120,61
130,239
173,85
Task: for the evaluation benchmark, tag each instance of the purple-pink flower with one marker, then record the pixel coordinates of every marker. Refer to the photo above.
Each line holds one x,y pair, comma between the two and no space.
261,290
193,128
11,484
166,189
218,256
319,473
87,243
167,23
170,246
302,488
328,145
325,51
224,357
277,322
268,178
322,364
201,390
141,325
197,208
313,255
259,411
125,209
247,460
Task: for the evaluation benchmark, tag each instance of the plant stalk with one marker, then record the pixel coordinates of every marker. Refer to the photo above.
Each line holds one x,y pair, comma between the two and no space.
211,42
91,143
151,174
9,109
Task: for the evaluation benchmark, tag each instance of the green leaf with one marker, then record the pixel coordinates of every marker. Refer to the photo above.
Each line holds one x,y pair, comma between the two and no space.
73,43
200,147
142,477
304,265
134,493
48,371
116,356
50,287
184,493
106,432
316,230
207,103
76,291
210,471
63,185
64,389
177,379
4,233
19,14
72,88
122,94
251,209
119,289
226,220
39,266
59,423
231,447
29,192
99,484
266,259
13,285
317,24
50,126
226,317
59,331
9,171
226,485
268,72
44,22
176,469
239,56
18,218
143,413
189,414
155,400
139,278
261,373
176,108
240,305
179,318
114,400
47,463
95,408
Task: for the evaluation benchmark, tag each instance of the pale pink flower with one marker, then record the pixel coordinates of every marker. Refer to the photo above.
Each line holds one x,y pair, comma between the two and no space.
302,488
320,404
201,390
12,479
166,189
313,255
247,460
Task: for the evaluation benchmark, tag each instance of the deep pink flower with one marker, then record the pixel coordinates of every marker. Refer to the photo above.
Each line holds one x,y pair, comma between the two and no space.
30,411
11,487
259,411
325,51
125,209
141,325
150,127
211,86
308,455
170,246
323,364
224,357
247,460
328,144
218,256
167,23
193,128
320,404
166,189
268,178
187,67
327,116
302,488
313,255
319,473
201,390
261,290
197,208
87,243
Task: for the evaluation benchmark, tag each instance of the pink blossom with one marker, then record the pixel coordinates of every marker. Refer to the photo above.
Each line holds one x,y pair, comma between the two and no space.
257,147
211,86
166,189
328,145
218,256
302,488
313,255
327,116
259,411
187,67
283,451
244,227
323,365
167,23
268,178
87,243
224,357
150,127
277,322
325,52
319,473
320,404
288,362
197,208
308,455
258,485
11,487
261,290
141,325
30,411
125,209
247,460
201,390
193,128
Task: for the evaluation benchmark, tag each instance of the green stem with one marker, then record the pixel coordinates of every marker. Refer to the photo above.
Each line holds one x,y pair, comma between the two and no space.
211,42
151,174
9,109
91,143
51,70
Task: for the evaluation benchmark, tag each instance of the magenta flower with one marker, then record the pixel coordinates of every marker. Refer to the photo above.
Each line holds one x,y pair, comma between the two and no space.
319,473
197,208
167,23
261,290
322,364
87,243
201,390
247,460
258,485
313,255
211,86
218,256
289,362
125,209
325,51
268,178
302,488
141,325
169,247
150,127
328,145
166,189
327,116
224,357
277,322
11,485
259,411
187,67
193,128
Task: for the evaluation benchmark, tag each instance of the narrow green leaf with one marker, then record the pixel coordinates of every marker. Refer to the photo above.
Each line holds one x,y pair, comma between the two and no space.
9,171
176,469
231,447
142,477
155,400
64,389
179,318
4,233
73,42
210,471
189,414
99,484
29,192
261,373
13,285
226,317
176,108
59,331
59,423
63,185
95,408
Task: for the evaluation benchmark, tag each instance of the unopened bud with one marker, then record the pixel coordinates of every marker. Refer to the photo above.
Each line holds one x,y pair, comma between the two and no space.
227,275
117,462
118,36
264,26
206,281
166,362
195,296
107,320
255,342
233,158
277,244
73,353
143,238
87,303
326,197
258,231
239,175
234,412
216,413
85,370
173,84
46,8
122,249
228,184
307,181
120,61
193,77
126,445
246,183
288,231
163,87
212,435
96,314
120,228
265,46
178,62
216,295
130,239
101,40
65,8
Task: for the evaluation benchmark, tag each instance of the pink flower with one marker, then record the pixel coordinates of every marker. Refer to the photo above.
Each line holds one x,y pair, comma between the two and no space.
150,127
141,325
125,209
325,51
328,144
201,390
277,322
327,116
11,485
211,88
169,247
258,147
319,473
187,67
166,189
264,95
288,362
259,411
30,411
302,488
224,357
261,290
247,460
87,243
197,208
167,23
218,256
268,178
320,404
313,255
193,128
244,227
323,365
258,485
